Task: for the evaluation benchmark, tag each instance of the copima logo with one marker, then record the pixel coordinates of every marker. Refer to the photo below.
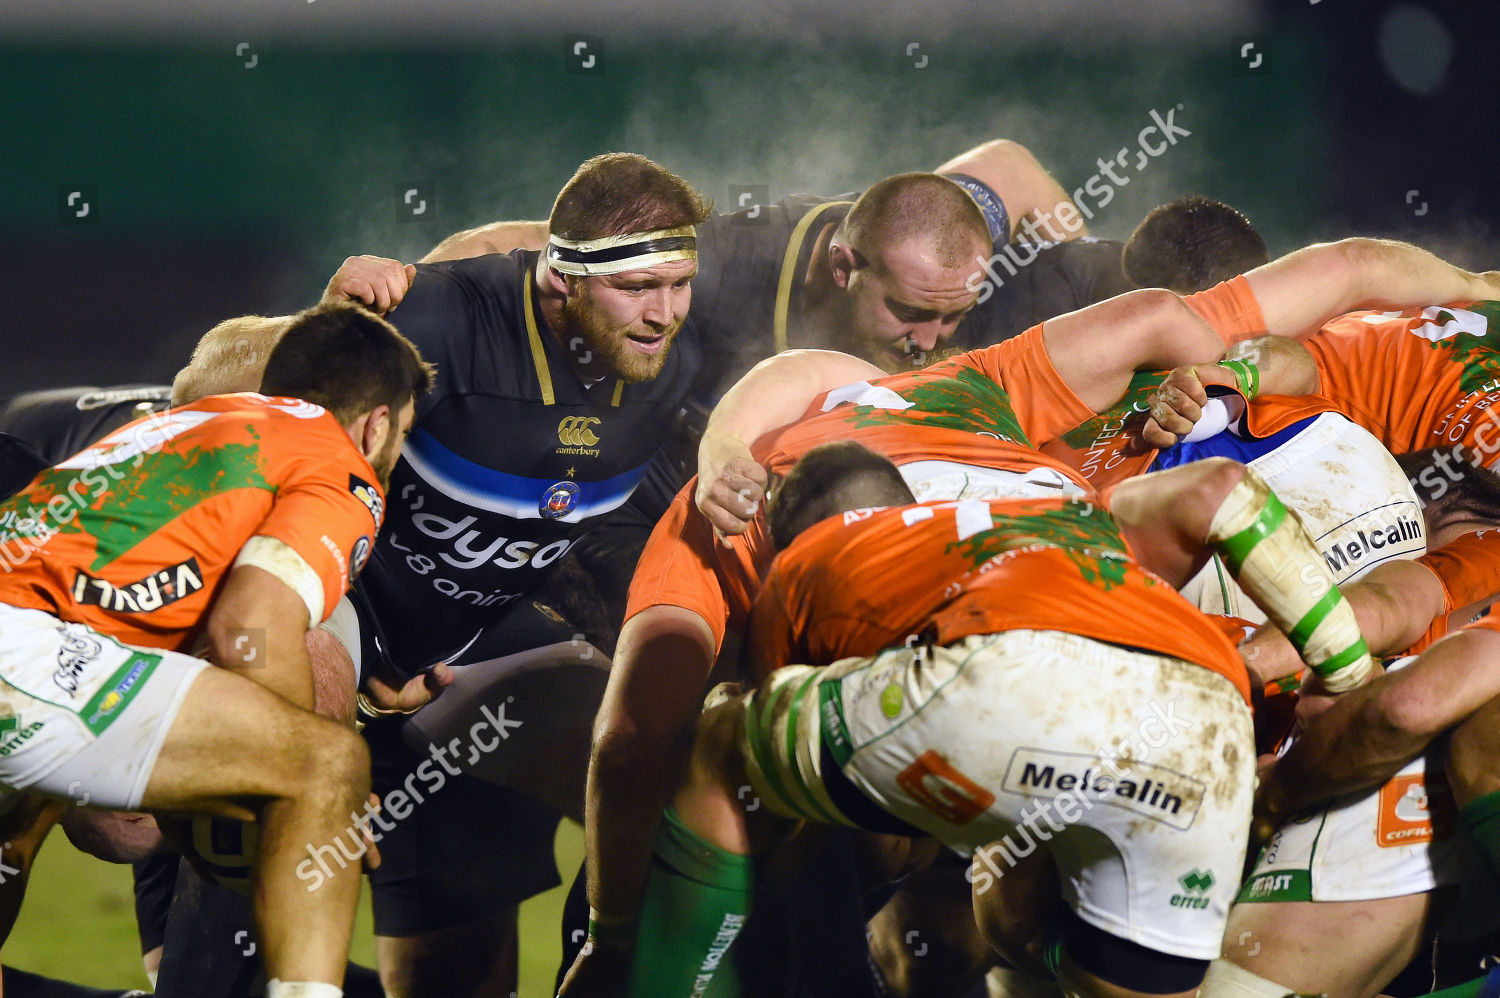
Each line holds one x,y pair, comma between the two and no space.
574,431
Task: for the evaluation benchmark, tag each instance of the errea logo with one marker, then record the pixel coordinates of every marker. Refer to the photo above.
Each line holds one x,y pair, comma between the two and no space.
576,437
1195,886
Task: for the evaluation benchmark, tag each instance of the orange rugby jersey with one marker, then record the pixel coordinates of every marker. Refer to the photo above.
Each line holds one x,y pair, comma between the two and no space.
981,409
1095,446
135,535
1423,378
871,579
1416,379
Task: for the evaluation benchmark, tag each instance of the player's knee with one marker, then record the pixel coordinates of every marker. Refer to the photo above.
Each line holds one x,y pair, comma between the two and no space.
1217,477
338,761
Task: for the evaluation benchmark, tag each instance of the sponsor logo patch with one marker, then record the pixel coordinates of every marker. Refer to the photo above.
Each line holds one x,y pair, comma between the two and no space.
370,496
13,735
1154,792
146,595
1414,809
117,691
1195,886
78,651
576,437
936,785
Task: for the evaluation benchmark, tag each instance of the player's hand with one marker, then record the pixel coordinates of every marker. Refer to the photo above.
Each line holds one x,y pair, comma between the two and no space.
378,282
414,694
1177,404
597,972
731,484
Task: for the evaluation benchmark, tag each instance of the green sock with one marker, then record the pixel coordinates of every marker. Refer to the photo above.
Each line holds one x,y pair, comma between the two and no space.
697,897
1474,988
1481,819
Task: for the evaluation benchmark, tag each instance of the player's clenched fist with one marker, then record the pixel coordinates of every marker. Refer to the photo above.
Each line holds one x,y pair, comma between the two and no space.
374,280
731,483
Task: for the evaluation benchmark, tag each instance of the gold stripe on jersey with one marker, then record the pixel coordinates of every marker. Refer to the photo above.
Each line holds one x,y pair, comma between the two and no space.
789,269
619,391
538,354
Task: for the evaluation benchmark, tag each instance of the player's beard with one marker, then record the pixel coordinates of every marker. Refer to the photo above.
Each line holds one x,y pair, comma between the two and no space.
384,462
608,346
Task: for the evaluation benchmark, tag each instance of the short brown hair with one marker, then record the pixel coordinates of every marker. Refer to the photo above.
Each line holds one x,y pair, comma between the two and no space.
916,205
347,360
831,479
1191,244
621,192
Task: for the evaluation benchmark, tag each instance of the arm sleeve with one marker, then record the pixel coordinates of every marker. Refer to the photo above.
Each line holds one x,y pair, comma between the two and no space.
1231,309
684,565
769,641
317,517
1468,569
1043,403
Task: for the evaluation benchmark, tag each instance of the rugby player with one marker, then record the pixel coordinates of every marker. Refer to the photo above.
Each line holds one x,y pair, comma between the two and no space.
938,576
680,603
237,522
558,372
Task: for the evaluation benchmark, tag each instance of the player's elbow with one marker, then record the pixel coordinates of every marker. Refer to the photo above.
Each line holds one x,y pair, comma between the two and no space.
1409,715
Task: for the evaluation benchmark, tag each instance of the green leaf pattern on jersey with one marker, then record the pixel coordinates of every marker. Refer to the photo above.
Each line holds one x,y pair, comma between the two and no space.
1083,531
1142,384
1479,356
143,495
961,399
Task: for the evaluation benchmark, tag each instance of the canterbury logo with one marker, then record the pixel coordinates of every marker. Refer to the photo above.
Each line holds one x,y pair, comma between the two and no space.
574,431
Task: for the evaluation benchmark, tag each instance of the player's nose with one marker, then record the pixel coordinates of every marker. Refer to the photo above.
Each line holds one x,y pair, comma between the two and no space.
657,307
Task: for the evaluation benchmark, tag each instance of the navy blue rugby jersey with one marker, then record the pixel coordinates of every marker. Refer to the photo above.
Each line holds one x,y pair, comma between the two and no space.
59,422
511,458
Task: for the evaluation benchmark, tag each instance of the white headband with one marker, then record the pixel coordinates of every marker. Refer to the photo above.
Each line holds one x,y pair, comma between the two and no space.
616,254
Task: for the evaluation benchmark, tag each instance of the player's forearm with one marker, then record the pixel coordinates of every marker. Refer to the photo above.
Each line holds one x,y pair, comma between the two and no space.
778,390
642,742
1354,745
496,237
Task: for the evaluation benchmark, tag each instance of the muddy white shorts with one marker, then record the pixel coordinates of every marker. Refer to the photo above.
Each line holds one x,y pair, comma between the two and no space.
1135,769
1350,494
83,716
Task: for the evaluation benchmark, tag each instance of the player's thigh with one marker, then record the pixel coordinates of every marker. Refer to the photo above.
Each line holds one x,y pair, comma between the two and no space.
1288,942
233,740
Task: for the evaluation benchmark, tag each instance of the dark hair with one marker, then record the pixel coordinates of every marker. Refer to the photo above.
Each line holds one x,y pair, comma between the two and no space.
1473,498
912,205
347,360
621,192
829,480
1191,244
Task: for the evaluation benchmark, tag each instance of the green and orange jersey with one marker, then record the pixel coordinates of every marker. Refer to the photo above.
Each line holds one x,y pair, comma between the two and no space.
1420,378
1423,378
135,535
980,410
870,579
1099,446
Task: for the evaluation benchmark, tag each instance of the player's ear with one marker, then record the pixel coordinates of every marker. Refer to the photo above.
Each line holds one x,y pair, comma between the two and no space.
379,425
843,260
555,282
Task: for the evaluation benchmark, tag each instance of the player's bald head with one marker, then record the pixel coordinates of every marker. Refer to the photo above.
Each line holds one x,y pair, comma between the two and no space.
921,207
832,479
229,358
621,192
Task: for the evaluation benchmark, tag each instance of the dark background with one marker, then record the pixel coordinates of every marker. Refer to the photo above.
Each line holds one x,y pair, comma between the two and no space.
233,153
